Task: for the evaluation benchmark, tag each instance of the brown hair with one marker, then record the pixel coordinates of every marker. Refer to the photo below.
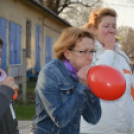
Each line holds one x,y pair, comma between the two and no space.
96,16
68,39
1,42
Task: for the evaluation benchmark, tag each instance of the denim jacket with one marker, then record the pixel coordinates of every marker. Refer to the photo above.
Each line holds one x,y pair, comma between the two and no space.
61,100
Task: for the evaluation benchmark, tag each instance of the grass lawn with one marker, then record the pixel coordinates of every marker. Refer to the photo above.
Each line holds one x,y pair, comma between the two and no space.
25,111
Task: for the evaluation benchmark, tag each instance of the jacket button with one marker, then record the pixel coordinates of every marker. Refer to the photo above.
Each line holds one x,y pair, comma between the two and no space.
74,125
68,92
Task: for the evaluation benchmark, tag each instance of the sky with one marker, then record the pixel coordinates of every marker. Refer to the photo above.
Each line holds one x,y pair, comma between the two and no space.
125,11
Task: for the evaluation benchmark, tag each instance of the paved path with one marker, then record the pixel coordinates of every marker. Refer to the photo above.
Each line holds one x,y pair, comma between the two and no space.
24,127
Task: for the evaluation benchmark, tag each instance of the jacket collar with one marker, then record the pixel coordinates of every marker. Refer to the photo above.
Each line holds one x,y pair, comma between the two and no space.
100,47
63,69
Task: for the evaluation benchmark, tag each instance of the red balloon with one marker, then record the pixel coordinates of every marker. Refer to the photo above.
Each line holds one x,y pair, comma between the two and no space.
15,95
106,82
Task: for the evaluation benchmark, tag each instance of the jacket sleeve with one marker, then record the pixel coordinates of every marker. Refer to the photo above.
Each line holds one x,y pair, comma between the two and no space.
6,94
92,108
107,58
132,88
133,81
48,91
16,130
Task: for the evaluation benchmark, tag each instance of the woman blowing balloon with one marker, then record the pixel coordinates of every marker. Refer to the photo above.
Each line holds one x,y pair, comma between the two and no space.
62,93
117,116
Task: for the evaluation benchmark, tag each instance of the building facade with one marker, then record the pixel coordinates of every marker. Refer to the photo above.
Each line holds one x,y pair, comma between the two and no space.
28,30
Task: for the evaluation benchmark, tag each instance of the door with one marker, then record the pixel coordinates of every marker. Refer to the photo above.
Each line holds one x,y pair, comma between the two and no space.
48,49
15,44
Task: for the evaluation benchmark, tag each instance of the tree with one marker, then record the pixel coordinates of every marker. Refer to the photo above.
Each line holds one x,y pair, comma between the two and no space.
77,14
58,6
74,11
127,44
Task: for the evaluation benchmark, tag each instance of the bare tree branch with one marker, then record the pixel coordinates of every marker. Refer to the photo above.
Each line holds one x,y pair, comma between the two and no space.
66,4
127,45
58,6
85,5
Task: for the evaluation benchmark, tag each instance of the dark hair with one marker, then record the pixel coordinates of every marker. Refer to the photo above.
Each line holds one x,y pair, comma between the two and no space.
1,42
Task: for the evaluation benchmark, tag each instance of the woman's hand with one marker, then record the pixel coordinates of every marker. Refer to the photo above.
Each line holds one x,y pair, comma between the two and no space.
83,73
10,82
110,41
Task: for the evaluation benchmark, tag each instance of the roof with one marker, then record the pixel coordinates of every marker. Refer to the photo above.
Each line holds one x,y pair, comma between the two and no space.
37,3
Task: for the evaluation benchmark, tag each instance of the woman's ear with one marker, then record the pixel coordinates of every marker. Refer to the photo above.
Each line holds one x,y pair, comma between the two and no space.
67,54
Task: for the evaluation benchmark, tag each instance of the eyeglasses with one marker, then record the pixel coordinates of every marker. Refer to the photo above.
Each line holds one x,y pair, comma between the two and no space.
85,52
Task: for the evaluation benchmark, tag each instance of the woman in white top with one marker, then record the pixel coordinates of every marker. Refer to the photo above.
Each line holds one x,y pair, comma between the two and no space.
117,116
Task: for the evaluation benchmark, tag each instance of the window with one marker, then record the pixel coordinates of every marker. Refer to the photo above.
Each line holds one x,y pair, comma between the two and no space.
48,49
15,44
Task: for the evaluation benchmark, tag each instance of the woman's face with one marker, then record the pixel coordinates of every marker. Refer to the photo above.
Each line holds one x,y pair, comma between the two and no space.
78,58
106,26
